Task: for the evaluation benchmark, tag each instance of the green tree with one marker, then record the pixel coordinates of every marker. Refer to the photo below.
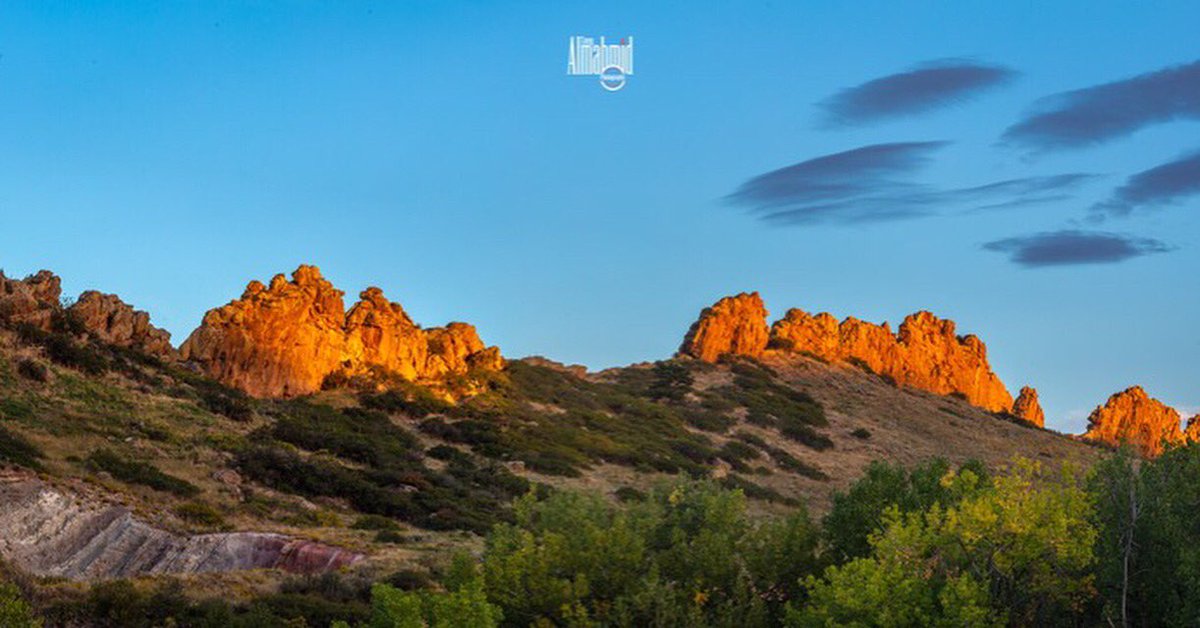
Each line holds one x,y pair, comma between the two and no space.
14,611
465,608
1119,505
1019,552
686,555
1161,585
858,512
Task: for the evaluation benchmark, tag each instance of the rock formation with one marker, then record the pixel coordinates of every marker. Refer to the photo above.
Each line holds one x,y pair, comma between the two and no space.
49,533
1192,431
36,300
286,338
115,322
1131,416
32,300
925,354
1027,407
734,325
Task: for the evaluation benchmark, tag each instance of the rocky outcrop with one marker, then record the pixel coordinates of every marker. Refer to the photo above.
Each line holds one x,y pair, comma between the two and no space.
1028,408
380,334
734,325
925,354
1133,417
115,322
37,299
49,533
1191,433
32,300
287,338
275,340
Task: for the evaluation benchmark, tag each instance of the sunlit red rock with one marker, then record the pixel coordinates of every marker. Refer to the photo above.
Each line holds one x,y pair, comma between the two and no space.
1192,432
277,340
926,353
285,339
734,325
1028,408
1133,417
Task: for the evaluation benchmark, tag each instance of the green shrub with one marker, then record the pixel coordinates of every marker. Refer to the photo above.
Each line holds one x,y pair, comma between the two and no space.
861,433
413,400
62,349
137,472
686,555
374,522
16,449
627,494
33,370
390,536
794,429
200,513
859,512
466,606
15,612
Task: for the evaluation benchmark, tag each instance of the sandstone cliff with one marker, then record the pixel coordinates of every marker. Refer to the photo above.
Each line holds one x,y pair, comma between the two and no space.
925,354
1028,408
1132,416
734,325
287,338
49,533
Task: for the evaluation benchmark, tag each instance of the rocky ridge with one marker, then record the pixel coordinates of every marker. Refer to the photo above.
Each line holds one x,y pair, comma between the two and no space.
37,301
926,353
285,339
49,533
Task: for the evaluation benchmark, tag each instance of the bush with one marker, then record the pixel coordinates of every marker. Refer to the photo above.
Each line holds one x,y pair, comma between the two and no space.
415,401
390,536
16,449
137,472
686,555
374,522
465,606
14,611
62,349
200,513
859,512
33,370
229,402
861,433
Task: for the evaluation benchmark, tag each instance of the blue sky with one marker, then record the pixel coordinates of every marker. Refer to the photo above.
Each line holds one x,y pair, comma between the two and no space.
171,152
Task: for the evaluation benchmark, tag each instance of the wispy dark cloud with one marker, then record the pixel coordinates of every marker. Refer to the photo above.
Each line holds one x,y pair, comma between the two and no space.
1104,112
924,88
874,183
835,186
1073,247
1161,185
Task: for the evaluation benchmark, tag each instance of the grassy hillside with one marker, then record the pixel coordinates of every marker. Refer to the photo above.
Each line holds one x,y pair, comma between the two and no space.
406,478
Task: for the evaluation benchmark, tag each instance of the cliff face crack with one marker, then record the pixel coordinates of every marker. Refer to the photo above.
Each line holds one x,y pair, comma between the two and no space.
51,534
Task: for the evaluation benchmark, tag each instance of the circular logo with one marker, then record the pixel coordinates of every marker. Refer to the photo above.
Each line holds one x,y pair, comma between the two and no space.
612,78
